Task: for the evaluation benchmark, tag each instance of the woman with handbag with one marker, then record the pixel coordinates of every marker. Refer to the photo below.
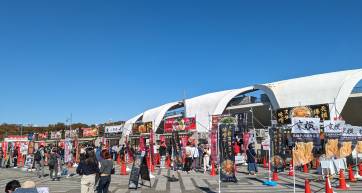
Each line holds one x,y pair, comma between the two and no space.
106,170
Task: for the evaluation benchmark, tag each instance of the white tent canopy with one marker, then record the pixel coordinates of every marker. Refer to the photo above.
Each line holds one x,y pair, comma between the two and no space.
128,124
156,115
332,88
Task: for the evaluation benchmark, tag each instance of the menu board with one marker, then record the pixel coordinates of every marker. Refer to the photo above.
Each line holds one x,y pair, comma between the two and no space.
285,115
139,168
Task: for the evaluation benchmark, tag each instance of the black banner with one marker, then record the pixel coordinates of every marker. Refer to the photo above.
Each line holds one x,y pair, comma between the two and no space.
139,167
176,146
227,128
285,115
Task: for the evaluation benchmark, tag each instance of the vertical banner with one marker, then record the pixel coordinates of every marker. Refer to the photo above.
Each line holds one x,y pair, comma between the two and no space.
227,126
67,150
213,137
142,146
152,152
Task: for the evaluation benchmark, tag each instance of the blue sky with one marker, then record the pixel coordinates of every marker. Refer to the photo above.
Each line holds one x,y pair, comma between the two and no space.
102,60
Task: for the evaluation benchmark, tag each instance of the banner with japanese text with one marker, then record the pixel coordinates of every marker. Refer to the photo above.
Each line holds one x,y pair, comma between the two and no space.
113,129
305,129
285,115
333,129
227,126
55,135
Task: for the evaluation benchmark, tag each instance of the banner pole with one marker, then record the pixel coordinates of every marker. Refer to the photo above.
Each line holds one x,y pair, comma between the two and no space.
293,170
218,152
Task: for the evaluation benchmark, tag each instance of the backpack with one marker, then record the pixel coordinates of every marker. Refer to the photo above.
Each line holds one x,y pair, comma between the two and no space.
37,156
53,160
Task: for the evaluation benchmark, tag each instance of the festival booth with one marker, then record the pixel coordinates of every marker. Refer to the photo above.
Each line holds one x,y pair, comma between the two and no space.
112,135
12,142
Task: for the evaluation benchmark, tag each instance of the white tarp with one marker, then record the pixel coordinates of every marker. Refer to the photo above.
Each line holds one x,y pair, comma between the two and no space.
127,129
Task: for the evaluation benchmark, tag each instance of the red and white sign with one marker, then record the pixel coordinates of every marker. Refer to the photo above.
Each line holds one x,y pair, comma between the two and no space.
90,132
180,124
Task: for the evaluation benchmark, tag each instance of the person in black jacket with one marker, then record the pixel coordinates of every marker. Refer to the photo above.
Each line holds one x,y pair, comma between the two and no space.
252,168
88,169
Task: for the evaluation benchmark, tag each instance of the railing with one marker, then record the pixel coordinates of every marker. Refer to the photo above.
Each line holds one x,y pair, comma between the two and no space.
357,90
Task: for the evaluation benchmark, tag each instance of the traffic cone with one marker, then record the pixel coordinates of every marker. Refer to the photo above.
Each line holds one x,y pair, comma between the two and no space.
123,169
275,175
168,163
291,170
118,160
351,175
213,173
360,169
305,168
328,186
264,163
342,181
307,187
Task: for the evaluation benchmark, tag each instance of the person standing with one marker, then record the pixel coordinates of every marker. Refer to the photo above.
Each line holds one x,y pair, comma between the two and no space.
39,161
195,157
200,158
206,158
106,170
88,168
189,156
1,158
162,152
54,164
15,156
252,168
122,152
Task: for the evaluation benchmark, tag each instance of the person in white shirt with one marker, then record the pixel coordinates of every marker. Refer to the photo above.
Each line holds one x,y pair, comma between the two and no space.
189,156
206,158
195,157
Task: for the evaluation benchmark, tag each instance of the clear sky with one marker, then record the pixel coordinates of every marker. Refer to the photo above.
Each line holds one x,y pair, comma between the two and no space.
110,60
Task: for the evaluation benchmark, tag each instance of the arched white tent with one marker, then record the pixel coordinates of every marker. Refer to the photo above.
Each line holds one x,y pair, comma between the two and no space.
156,115
331,88
127,128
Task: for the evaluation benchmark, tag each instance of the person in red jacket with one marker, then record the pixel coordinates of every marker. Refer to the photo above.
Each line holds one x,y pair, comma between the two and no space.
236,149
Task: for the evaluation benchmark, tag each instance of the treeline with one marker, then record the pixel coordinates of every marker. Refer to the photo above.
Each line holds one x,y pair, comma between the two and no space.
16,129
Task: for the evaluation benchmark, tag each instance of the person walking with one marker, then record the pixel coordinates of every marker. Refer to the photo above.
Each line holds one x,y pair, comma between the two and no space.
106,170
252,168
88,168
162,151
54,164
206,158
39,161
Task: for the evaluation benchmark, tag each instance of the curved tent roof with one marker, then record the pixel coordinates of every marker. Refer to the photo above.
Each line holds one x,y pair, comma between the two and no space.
223,102
202,107
156,115
332,88
127,128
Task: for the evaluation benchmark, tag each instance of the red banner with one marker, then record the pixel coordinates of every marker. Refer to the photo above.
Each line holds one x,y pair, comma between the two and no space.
180,124
42,136
213,136
90,132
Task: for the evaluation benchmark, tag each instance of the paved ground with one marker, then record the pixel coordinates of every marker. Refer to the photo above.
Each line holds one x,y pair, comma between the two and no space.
190,183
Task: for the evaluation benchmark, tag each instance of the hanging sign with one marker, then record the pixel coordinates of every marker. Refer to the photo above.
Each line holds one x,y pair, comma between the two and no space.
351,133
333,129
305,129
227,126
70,134
285,115
55,135
113,129
90,132
138,128
180,124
